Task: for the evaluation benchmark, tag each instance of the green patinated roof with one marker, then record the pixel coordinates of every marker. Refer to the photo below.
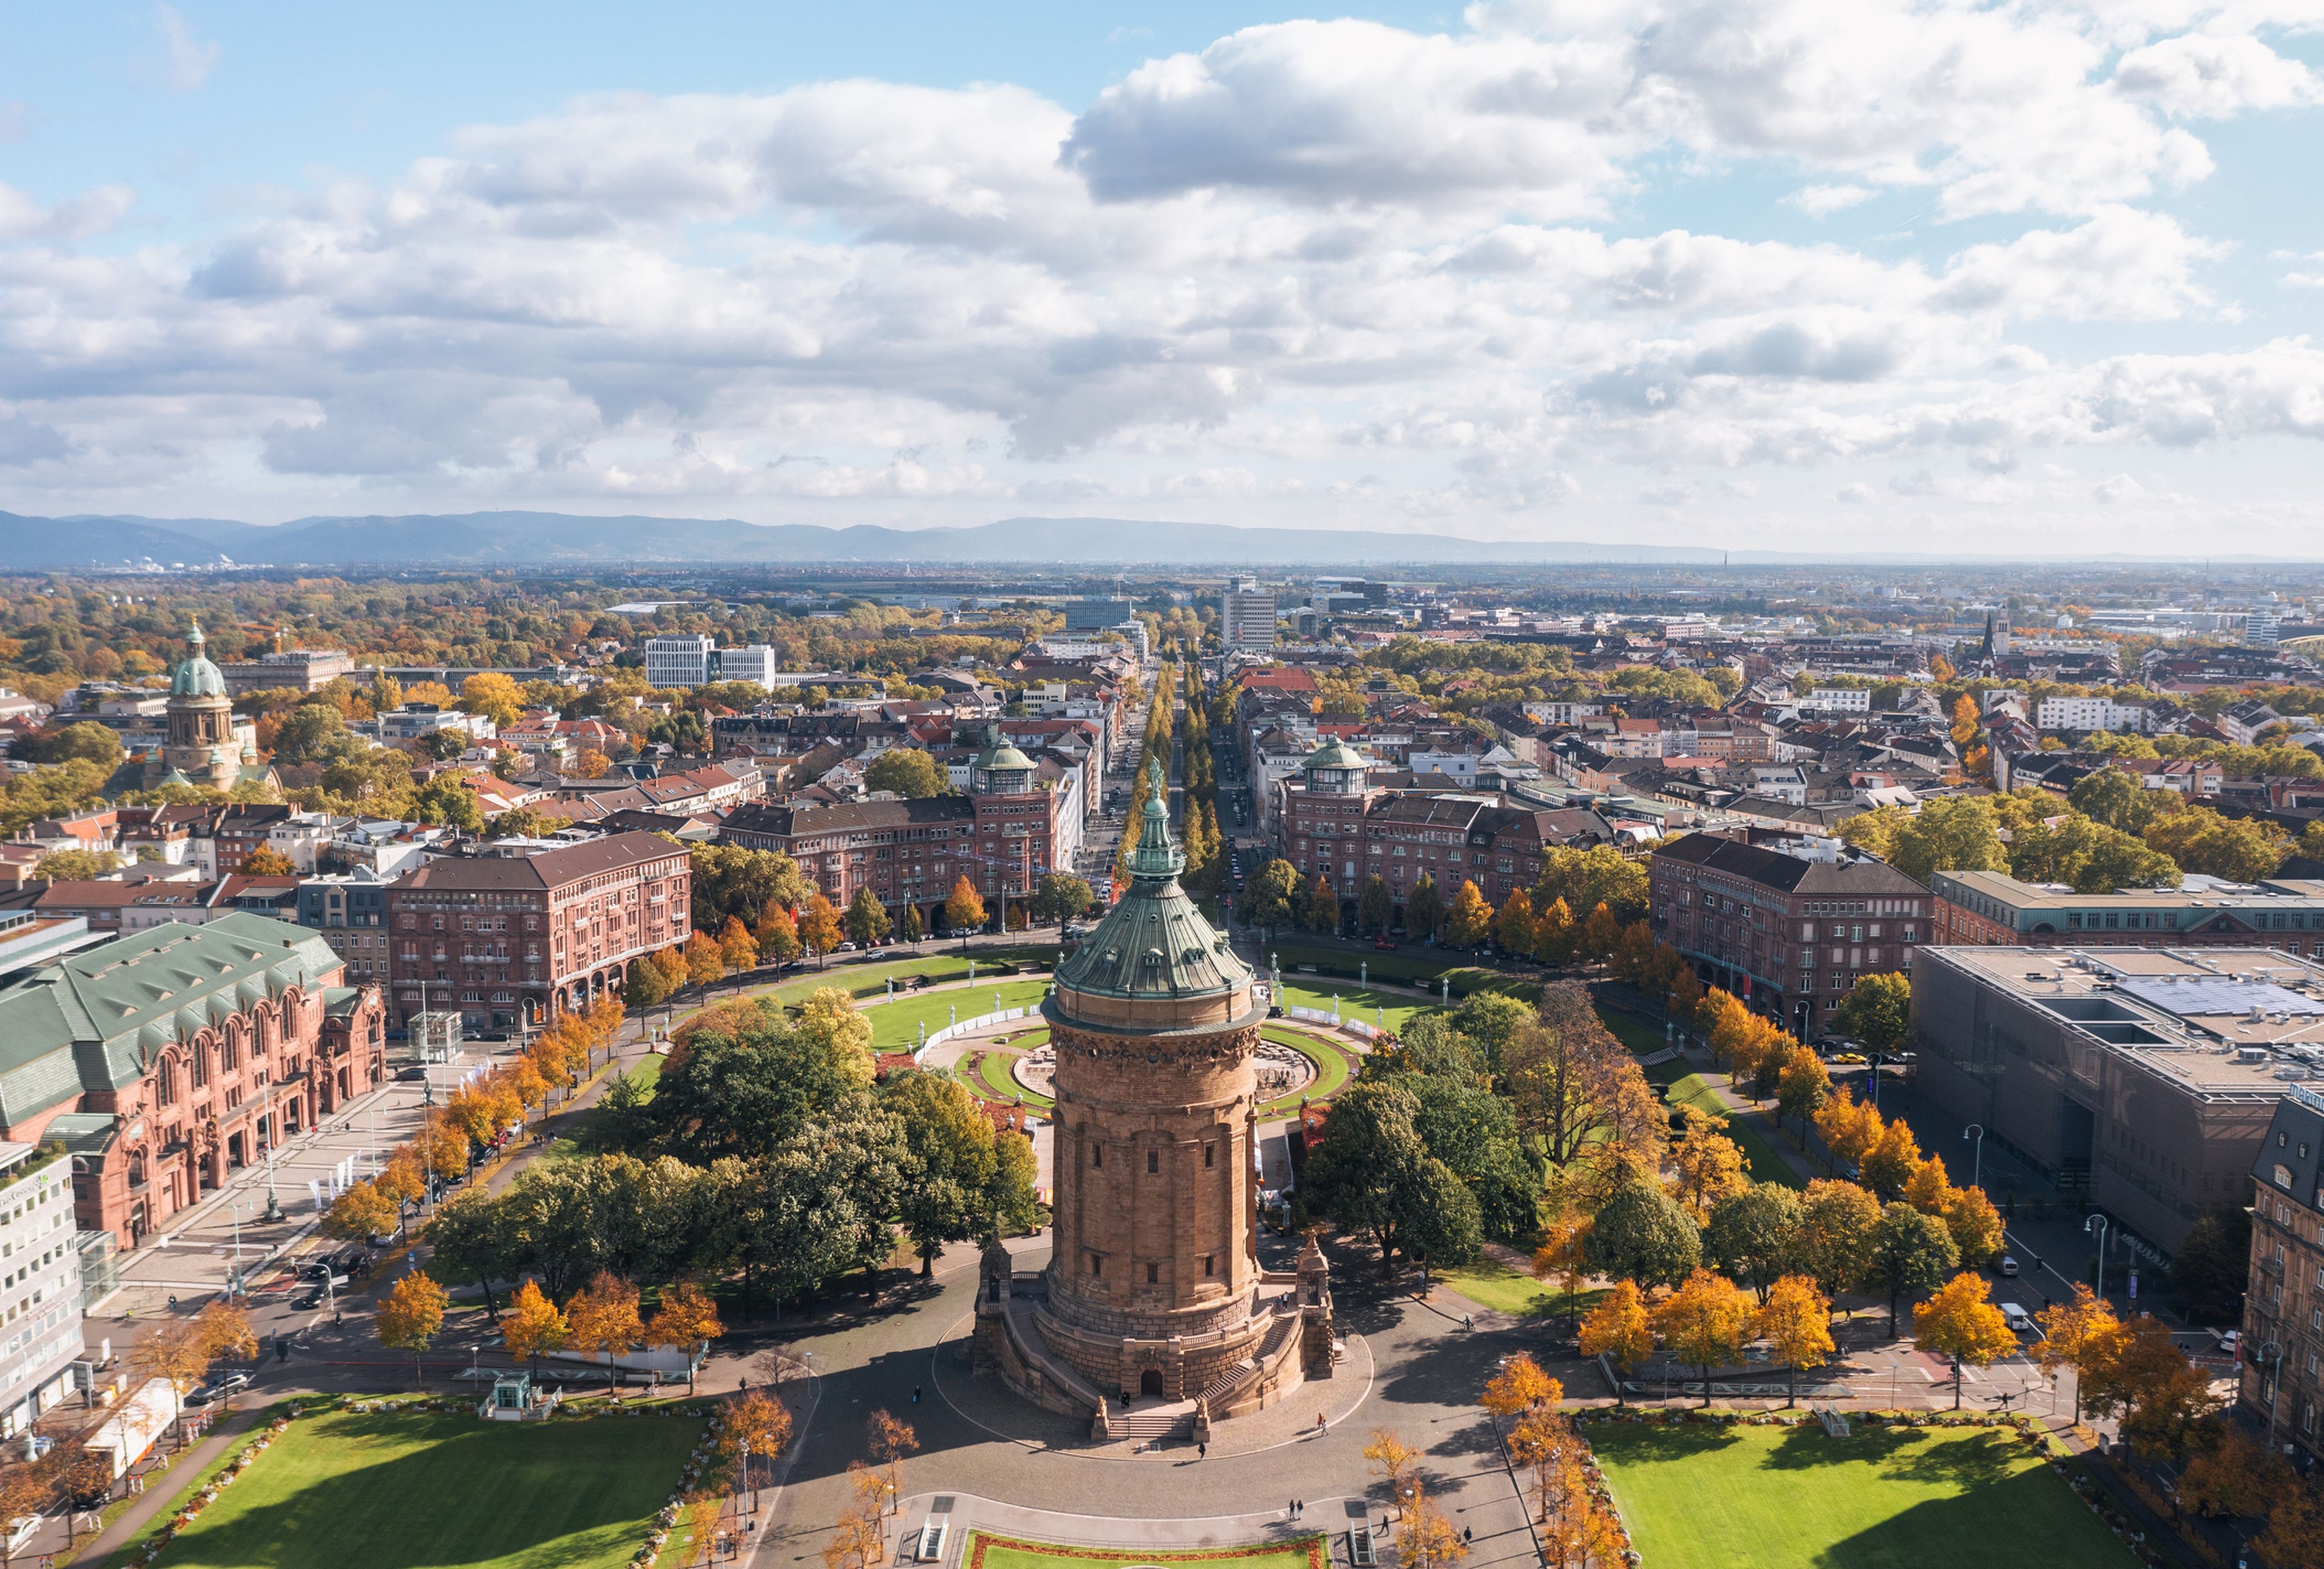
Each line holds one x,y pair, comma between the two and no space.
93,1021
1001,755
197,676
1335,754
1155,943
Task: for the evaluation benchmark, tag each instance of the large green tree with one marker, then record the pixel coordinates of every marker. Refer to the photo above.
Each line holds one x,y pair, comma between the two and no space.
1752,1237
731,881
907,771
1911,1252
1586,878
1877,1010
1270,895
961,1178
1061,896
1952,834
1642,1233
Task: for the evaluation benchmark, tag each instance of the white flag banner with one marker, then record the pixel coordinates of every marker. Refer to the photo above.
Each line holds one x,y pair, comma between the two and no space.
315,1189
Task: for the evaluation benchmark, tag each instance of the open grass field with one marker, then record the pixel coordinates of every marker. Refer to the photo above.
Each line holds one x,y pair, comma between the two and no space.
872,980
896,1025
1765,1164
392,1491
1355,1002
987,1551
1792,1498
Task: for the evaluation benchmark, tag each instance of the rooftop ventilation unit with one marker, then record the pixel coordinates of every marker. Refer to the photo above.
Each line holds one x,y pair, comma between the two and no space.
2251,1054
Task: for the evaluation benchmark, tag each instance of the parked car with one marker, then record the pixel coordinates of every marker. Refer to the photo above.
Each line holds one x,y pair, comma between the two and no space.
1385,942
2231,1343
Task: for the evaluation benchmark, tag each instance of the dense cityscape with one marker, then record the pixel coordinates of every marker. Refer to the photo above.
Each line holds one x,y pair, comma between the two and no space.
1728,992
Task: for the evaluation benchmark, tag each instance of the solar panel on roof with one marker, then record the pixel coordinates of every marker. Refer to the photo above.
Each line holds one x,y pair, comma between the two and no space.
2211,998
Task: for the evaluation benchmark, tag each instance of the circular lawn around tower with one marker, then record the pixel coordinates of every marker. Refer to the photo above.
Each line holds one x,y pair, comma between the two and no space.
989,1070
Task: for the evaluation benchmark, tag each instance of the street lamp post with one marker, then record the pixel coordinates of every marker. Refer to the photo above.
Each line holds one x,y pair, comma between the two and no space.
746,1476
2096,1225
273,1204
237,1244
1977,1170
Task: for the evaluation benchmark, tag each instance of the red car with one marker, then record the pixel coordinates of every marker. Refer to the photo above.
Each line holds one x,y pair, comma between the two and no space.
1385,942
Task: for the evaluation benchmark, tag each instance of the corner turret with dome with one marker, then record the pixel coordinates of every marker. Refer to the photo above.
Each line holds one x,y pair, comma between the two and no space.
1153,1282
999,769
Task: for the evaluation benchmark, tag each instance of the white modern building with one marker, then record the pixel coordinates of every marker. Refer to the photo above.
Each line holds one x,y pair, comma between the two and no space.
1246,621
756,662
678,662
40,1259
1839,699
2087,713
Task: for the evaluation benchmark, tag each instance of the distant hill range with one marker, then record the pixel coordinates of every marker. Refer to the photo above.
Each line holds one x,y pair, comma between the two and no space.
550,538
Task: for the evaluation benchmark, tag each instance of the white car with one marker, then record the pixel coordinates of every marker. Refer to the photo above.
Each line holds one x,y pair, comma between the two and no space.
2007,1267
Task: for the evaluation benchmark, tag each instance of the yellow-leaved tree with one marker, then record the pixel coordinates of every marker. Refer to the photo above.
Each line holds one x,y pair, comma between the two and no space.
1704,1321
1958,1322
1619,1330
1795,1321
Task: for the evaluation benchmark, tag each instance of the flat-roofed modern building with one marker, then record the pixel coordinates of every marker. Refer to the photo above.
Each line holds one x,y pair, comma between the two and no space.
2145,1075
1980,907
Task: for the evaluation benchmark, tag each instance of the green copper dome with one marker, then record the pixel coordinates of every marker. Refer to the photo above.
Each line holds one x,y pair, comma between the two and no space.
1335,754
197,676
1155,943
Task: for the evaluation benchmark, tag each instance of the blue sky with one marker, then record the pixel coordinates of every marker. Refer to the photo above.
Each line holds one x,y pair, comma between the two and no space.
1763,273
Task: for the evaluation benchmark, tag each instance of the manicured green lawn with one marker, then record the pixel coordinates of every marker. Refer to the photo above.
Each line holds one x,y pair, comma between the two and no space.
1315,991
400,1491
1785,1498
1640,1037
1765,1164
1504,1289
587,1134
988,1070
872,980
895,1026
987,1551
1334,1065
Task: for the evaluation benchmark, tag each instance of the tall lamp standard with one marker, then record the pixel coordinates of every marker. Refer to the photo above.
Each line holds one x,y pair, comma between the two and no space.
1977,1170
2097,1226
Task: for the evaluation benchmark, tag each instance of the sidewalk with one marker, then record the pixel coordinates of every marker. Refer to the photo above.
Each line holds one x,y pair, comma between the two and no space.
139,1517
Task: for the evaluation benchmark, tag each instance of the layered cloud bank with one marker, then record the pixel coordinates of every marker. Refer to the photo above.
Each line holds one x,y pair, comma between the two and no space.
1320,271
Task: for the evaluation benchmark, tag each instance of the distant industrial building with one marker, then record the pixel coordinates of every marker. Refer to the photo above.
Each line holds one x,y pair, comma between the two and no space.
2145,1077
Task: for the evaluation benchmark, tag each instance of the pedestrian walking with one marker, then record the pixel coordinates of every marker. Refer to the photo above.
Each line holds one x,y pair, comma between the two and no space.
916,1394
1467,1535
1202,1452
1320,1423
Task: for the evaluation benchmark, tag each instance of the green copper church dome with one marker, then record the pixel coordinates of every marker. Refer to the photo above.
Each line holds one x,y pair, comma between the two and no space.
197,676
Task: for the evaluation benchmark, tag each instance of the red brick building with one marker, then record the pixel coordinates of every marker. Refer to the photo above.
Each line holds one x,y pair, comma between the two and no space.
508,941
1788,932
169,1058
1001,836
1336,826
